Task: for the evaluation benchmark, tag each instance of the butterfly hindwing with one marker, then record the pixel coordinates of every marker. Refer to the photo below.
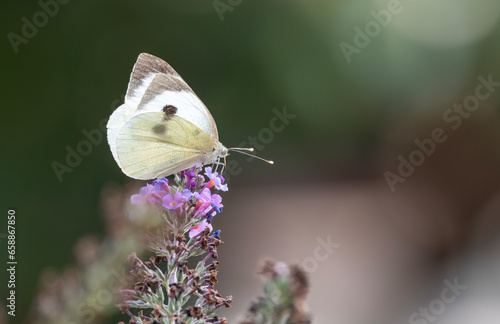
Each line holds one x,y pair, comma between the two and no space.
154,144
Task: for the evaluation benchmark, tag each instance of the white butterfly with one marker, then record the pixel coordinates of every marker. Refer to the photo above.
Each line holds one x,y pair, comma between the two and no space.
163,127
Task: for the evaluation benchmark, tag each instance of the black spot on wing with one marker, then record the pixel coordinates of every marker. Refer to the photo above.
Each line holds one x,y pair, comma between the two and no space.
169,111
159,129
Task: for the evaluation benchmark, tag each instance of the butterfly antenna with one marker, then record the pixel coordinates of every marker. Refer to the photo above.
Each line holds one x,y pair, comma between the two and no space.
250,149
240,150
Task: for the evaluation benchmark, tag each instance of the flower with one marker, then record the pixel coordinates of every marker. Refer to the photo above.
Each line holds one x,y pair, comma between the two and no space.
217,179
172,201
204,196
191,184
217,201
187,195
197,229
190,174
161,184
207,198
147,194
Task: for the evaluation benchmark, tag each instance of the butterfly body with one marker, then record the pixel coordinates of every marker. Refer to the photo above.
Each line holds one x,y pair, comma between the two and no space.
163,127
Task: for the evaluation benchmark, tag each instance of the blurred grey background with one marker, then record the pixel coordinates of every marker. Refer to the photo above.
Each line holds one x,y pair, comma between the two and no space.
392,153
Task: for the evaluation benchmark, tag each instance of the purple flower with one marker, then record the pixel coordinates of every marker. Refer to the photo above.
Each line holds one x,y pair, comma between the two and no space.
195,230
191,184
161,186
217,201
217,179
187,195
172,201
147,194
205,197
190,174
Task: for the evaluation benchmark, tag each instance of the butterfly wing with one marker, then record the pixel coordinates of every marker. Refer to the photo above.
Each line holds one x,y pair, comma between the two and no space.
155,87
150,145
154,84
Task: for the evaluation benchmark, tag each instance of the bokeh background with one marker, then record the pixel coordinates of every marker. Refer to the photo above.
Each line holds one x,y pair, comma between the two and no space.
356,114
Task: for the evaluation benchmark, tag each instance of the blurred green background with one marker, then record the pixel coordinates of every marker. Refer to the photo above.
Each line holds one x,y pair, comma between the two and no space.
352,121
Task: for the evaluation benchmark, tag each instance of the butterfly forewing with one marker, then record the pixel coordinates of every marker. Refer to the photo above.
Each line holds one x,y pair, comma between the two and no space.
150,146
145,68
155,78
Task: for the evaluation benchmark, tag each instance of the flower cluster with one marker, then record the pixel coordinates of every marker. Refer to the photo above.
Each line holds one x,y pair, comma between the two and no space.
189,199
167,280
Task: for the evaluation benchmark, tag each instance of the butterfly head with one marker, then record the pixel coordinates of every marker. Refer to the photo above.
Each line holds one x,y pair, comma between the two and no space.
219,151
223,151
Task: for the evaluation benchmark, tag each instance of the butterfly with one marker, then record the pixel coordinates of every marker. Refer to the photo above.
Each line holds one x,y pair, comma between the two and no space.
162,127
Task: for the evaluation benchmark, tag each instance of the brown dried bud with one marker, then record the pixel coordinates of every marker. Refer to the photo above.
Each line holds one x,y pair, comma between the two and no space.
217,242
157,312
213,266
141,287
192,274
212,277
194,311
227,302
203,243
175,289
214,254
